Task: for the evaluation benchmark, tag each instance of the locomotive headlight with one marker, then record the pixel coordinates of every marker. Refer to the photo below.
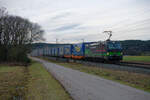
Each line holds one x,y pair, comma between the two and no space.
107,53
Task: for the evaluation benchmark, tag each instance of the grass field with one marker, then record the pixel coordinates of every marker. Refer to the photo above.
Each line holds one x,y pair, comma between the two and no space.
140,81
137,58
29,83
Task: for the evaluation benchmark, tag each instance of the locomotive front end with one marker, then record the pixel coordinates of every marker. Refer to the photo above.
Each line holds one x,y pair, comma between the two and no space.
114,51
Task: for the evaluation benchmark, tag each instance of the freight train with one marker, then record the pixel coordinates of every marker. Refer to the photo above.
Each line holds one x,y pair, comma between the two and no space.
97,51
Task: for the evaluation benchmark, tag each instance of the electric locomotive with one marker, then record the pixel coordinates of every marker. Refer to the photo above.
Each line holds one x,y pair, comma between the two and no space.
106,50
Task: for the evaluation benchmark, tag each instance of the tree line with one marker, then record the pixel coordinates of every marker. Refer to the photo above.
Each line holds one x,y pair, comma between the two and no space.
16,36
136,47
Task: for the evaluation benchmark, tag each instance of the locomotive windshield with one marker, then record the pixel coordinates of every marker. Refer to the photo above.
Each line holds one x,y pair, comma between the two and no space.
114,45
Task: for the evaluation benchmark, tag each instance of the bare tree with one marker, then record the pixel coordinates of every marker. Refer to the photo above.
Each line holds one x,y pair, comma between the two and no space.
36,33
3,13
17,32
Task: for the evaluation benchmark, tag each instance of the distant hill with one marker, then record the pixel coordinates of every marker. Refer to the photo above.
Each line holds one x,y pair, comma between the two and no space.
41,45
130,47
136,47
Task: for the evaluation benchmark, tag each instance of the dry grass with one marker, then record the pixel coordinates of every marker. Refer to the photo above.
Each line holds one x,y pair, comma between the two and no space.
42,86
13,82
29,83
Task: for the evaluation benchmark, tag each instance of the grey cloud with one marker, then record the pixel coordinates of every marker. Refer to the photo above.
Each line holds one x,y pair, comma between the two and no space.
81,19
67,27
60,16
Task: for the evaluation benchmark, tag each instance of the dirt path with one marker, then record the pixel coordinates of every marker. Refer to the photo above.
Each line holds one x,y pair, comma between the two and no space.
83,86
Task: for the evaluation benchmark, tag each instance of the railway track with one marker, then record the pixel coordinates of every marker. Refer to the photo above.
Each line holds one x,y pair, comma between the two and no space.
139,63
135,64
125,66
130,64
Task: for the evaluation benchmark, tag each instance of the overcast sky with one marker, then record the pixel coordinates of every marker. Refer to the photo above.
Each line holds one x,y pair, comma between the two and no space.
74,20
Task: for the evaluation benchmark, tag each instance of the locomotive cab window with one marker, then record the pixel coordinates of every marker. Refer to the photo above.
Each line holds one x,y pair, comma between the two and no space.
114,45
